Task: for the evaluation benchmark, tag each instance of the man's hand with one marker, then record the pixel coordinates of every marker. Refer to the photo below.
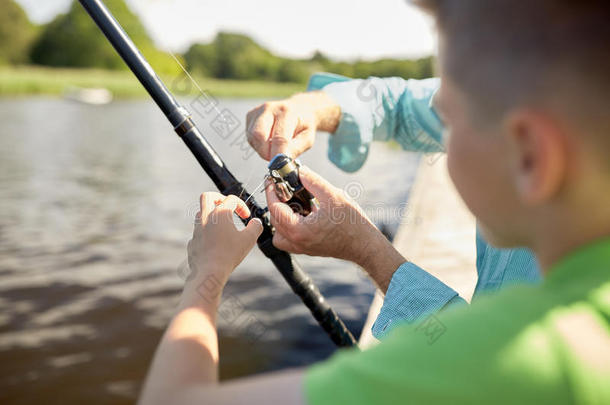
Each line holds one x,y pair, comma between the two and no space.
217,247
289,126
338,228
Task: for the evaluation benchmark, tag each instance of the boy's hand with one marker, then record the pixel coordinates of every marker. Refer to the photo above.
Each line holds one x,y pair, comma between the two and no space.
217,247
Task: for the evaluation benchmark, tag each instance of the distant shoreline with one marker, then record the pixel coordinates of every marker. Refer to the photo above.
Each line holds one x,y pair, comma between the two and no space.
31,81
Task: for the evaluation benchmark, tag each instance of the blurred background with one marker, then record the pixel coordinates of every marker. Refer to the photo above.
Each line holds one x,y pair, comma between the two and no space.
97,196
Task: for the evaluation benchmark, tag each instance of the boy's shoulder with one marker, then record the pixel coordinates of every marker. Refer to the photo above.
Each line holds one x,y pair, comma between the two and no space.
526,336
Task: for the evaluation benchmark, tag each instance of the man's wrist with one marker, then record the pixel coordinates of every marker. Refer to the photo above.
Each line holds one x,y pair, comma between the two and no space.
326,111
380,260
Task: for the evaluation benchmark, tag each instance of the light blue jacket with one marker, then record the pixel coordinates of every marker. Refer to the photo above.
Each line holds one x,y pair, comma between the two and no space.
394,108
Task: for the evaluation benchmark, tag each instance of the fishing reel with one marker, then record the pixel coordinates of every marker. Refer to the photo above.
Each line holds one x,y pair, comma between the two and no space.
284,171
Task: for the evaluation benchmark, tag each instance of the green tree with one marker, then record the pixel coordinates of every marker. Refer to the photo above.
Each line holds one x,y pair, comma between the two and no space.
340,68
239,57
291,70
407,69
201,59
73,40
236,56
320,58
233,56
16,33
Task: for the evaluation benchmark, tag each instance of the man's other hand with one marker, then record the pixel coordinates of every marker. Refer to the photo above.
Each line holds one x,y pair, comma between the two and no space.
289,126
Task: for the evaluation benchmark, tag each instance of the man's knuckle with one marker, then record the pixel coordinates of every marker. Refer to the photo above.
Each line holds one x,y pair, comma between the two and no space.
298,237
259,135
276,224
277,241
281,108
279,140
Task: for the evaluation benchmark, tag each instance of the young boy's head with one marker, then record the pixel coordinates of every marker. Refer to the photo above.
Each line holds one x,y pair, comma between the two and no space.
525,97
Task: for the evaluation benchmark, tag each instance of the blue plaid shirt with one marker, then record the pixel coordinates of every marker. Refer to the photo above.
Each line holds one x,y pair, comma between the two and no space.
394,108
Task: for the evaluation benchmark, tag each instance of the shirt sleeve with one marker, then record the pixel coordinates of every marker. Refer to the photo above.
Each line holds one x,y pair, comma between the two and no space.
380,109
413,294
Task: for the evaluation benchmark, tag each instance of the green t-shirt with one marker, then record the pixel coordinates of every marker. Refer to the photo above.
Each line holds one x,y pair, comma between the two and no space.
546,344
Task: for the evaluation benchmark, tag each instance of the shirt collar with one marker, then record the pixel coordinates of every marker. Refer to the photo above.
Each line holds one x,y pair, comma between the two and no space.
591,262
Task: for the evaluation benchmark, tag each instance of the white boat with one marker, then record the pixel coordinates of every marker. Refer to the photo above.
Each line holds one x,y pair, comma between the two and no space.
93,96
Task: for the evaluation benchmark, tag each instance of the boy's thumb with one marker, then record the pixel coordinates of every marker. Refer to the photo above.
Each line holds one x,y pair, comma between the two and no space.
254,229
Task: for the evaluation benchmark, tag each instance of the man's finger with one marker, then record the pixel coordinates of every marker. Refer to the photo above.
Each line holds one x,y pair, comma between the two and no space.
270,192
280,242
316,184
259,133
282,217
302,142
282,133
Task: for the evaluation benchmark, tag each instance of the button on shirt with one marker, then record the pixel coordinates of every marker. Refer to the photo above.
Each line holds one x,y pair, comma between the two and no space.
401,110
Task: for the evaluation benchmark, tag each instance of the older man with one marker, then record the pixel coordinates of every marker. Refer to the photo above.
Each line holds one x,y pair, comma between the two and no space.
357,112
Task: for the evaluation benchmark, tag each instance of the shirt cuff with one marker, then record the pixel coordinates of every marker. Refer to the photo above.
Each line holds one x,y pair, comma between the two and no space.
412,294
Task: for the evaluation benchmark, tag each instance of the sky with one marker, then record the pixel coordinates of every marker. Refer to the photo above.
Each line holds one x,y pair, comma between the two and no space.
341,29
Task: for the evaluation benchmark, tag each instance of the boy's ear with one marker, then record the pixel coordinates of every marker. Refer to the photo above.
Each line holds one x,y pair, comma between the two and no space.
537,153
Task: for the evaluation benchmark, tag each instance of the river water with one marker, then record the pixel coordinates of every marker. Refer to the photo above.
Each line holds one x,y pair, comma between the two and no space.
96,207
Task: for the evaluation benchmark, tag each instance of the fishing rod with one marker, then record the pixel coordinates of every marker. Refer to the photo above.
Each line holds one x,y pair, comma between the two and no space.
212,164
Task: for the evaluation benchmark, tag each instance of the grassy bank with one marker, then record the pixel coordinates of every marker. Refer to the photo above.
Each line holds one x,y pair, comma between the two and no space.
49,81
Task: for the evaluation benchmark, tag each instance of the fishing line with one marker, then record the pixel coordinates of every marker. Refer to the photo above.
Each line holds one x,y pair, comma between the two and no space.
197,85
219,114
256,189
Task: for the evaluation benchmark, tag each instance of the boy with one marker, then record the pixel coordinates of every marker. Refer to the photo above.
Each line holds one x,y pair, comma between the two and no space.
524,99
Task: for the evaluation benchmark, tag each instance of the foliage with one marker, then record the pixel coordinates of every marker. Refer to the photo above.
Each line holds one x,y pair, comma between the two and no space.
16,33
237,56
201,60
73,40
293,71
233,56
408,69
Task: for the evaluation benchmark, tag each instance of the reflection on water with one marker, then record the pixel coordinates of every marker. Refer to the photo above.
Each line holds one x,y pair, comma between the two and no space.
96,208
